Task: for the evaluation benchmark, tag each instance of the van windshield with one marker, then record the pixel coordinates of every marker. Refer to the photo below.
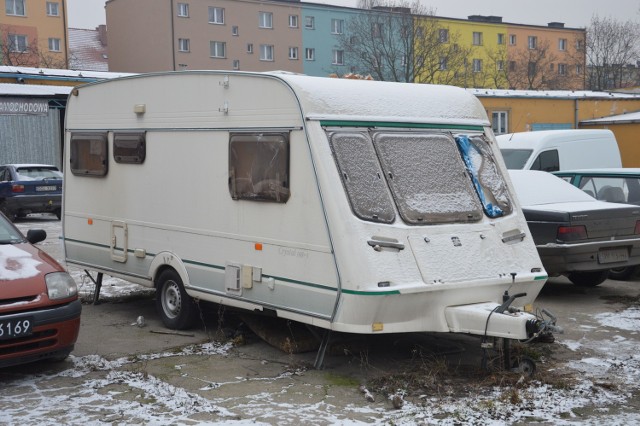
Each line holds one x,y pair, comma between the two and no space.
422,175
515,159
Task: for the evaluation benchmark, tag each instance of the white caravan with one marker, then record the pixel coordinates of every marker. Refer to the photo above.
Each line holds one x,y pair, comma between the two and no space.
354,206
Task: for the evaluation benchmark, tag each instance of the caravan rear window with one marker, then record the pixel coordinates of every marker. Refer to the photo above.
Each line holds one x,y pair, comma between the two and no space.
89,154
259,166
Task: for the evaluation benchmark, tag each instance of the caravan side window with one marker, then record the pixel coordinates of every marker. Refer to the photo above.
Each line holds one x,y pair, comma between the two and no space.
129,147
89,154
259,166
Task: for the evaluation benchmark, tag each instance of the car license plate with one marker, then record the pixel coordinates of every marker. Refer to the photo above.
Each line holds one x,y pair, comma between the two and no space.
613,255
46,188
16,327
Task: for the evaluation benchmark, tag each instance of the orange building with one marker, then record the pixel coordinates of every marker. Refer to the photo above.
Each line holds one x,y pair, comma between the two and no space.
530,110
545,58
33,33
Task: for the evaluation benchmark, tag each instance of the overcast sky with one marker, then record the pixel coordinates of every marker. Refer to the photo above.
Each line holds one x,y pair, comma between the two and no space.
574,13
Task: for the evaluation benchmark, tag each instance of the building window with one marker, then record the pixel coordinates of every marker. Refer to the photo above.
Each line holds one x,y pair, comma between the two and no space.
477,65
501,38
578,69
293,21
562,69
266,52
183,44
310,22
338,57
218,49
17,43
533,42
234,30
477,39
579,45
443,63
259,166
53,9
500,65
337,26
236,64
266,20
249,47
499,122
216,15
512,65
15,7
562,44
512,39
443,35
532,69
551,67
293,53
310,54
54,44
183,10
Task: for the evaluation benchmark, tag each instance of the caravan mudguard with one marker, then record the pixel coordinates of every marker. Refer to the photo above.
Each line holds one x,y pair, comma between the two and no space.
166,258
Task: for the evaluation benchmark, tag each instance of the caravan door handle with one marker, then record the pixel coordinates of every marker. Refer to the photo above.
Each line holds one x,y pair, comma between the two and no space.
378,244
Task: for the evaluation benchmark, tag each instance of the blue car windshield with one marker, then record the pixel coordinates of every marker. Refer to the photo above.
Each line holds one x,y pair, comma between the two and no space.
38,173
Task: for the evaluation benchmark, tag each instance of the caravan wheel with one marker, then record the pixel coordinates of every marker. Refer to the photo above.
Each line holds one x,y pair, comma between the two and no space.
177,310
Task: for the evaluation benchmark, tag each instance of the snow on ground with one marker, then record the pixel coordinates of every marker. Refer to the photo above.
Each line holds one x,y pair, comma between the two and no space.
121,391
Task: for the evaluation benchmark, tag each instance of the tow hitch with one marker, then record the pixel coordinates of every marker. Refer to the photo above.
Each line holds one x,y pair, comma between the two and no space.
540,327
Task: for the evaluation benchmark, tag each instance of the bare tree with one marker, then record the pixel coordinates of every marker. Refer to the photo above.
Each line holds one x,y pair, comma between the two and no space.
17,49
401,41
532,67
497,66
611,48
20,51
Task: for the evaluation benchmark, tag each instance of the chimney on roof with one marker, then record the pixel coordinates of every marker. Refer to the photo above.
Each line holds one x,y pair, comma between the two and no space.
556,24
482,18
102,34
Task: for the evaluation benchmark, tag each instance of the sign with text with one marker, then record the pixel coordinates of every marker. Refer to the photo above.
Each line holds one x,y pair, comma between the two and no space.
23,106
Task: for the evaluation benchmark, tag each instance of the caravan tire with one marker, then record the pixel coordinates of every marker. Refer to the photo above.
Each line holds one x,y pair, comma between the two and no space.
176,308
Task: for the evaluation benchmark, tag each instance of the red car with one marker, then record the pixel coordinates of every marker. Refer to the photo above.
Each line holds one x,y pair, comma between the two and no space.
39,305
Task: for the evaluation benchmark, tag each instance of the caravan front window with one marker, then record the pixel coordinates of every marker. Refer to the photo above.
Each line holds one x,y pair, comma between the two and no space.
482,168
89,154
361,176
259,166
426,175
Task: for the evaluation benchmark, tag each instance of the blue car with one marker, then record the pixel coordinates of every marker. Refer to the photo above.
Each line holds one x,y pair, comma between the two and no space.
30,188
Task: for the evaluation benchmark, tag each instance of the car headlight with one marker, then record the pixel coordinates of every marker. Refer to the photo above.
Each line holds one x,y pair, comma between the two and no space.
60,285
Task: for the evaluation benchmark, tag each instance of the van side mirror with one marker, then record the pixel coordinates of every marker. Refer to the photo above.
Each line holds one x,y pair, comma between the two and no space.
36,235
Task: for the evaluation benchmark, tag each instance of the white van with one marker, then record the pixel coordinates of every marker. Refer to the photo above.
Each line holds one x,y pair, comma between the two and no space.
354,206
553,150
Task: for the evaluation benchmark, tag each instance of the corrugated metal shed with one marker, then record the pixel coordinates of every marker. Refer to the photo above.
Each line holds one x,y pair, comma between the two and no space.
32,138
